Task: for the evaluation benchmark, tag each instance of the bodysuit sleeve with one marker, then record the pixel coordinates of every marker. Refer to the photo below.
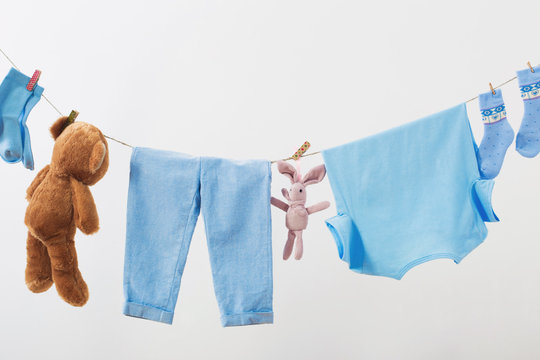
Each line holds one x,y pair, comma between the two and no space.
481,196
348,241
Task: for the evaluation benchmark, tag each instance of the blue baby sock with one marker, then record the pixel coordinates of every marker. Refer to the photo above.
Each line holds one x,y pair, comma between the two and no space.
16,102
528,137
498,134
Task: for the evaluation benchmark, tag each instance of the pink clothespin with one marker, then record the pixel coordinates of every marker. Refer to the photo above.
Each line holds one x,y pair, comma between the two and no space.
33,80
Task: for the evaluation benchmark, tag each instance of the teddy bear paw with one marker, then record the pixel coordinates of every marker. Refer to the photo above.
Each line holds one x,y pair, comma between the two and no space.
74,293
39,284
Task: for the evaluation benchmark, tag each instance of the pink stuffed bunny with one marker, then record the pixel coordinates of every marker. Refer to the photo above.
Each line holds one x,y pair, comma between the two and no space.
296,219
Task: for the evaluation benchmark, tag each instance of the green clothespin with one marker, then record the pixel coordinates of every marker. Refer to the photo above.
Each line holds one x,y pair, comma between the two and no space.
72,116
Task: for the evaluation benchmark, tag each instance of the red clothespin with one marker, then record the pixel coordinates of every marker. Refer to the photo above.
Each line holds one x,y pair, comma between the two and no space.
33,80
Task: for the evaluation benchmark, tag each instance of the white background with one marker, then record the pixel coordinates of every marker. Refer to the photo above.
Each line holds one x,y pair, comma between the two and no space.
255,79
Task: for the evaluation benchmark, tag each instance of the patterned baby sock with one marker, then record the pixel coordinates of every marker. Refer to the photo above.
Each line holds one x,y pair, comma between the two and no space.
528,137
498,134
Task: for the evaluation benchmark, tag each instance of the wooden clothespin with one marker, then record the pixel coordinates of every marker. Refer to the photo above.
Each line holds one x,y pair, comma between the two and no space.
492,89
298,154
33,80
530,67
72,116
71,119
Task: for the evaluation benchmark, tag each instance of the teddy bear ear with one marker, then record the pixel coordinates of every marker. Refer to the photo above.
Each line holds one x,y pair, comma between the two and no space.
59,126
97,157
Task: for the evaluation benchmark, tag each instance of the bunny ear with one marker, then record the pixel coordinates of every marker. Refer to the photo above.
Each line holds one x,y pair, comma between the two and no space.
314,175
287,169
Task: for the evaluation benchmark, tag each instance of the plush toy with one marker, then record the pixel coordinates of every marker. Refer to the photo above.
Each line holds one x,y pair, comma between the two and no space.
59,201
296,219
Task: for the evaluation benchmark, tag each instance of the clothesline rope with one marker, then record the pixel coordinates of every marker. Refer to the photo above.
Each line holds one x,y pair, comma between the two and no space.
273,161
53,106
43,95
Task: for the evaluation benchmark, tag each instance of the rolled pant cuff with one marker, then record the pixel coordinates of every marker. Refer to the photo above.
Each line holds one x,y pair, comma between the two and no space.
250,318
148,312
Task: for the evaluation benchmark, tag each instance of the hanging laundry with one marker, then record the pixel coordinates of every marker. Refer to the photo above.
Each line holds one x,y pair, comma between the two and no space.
18,95
498,134
167,190
528,137
409,195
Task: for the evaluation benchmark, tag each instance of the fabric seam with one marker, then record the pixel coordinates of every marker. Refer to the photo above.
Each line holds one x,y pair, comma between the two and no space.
183,243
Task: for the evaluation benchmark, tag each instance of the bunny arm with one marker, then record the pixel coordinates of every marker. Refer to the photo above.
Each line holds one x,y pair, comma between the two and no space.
279,204
36,182
318,207
85,212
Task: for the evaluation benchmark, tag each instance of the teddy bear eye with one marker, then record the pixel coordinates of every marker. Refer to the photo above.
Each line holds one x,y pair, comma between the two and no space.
300,190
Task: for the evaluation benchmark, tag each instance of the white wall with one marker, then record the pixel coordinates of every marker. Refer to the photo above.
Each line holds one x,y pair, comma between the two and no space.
251,79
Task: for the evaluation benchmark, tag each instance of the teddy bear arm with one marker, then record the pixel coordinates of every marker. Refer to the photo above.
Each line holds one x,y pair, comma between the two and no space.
86,216
36,182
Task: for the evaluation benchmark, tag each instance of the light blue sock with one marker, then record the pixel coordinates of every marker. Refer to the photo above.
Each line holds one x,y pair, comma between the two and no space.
16,102
498,134
528,137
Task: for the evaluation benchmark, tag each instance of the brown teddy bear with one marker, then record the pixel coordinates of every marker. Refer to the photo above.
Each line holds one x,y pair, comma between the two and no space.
59,202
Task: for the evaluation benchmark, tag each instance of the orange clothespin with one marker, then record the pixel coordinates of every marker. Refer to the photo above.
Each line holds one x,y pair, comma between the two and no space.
33,80
530,67
492,89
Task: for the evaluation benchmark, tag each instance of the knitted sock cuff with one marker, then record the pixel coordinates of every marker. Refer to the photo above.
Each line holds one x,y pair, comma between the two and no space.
527,77
529,83
492,107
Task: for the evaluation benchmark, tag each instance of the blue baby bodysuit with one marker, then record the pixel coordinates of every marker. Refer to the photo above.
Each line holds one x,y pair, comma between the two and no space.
409,195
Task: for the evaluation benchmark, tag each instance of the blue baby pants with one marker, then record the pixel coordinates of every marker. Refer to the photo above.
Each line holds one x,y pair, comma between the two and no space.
16,102
409,195
166,192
